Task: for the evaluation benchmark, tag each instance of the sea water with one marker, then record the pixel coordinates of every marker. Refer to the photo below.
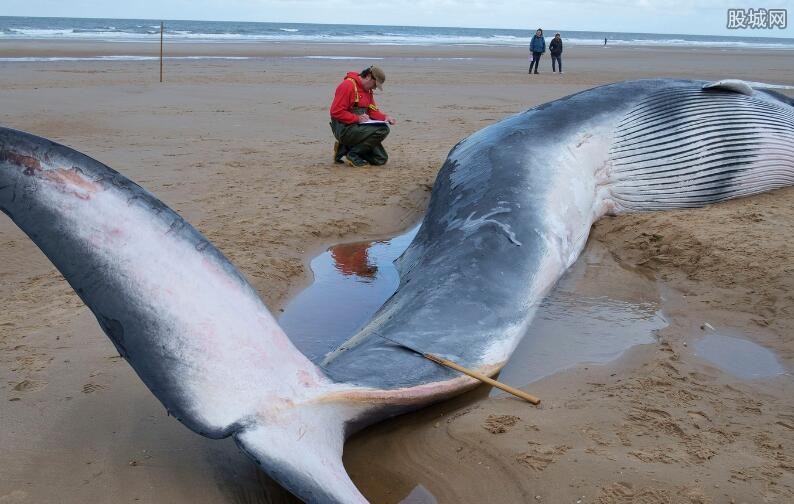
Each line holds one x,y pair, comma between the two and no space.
126,30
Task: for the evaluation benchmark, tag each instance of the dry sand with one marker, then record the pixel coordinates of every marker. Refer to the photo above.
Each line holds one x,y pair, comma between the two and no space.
242,149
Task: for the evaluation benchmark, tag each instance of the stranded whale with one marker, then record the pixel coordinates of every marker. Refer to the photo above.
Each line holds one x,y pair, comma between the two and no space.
510,210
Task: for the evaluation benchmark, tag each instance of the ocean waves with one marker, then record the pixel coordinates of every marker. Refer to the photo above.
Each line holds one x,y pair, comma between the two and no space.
131,30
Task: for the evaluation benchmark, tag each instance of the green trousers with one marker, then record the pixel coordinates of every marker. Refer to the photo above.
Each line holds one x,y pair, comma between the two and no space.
362,141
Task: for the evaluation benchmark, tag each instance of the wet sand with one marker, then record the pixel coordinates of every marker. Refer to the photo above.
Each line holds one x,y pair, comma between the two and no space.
242,148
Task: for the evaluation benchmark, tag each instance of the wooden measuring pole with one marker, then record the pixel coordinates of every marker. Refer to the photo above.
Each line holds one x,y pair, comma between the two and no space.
161,51
470,372
479,376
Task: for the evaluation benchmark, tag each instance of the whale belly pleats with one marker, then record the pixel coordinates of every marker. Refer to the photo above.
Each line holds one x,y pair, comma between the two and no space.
690,147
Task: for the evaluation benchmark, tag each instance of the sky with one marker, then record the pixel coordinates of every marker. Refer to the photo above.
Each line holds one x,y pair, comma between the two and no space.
700,17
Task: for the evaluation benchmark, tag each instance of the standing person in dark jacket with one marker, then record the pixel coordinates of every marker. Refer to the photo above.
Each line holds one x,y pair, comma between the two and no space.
537,47
359,126
555,48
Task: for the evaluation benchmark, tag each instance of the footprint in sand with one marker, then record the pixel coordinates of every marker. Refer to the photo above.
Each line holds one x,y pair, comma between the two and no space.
540,458
499,424
30,385
698,416
89,388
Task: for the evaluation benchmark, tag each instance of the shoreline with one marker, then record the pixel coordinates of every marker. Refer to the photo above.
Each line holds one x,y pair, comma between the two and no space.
59,47
242,149
101,30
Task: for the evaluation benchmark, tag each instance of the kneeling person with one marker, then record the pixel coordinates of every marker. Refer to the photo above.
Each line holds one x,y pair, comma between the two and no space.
357,138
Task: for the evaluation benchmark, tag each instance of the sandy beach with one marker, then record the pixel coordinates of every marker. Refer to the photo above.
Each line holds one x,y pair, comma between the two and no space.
242,149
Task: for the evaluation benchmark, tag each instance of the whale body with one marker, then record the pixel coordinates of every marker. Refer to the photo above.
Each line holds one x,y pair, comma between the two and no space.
510,211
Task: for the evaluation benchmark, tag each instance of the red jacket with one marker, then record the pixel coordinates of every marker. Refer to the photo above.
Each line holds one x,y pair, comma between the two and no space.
345,99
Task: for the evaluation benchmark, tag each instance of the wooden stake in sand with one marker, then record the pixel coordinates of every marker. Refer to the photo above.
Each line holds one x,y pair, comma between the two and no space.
474,374
161,51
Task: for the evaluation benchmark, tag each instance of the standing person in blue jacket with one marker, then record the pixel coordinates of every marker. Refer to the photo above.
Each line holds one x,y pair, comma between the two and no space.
555,49
537,47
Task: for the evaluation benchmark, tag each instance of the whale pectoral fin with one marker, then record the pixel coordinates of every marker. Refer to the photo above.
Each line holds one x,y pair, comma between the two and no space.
301,448
732,85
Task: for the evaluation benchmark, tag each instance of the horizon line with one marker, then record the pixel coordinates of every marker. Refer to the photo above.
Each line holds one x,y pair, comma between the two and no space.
529,30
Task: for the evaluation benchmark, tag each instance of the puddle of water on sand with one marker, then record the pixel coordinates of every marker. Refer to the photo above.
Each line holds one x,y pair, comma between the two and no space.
738,356
351,281
597,311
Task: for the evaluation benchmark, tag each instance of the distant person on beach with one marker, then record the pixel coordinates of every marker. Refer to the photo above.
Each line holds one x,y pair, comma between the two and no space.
358,125
555,49
536,47
605,41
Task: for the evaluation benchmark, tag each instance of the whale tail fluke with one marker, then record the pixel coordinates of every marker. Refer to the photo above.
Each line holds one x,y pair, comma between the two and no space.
301,448
180,313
